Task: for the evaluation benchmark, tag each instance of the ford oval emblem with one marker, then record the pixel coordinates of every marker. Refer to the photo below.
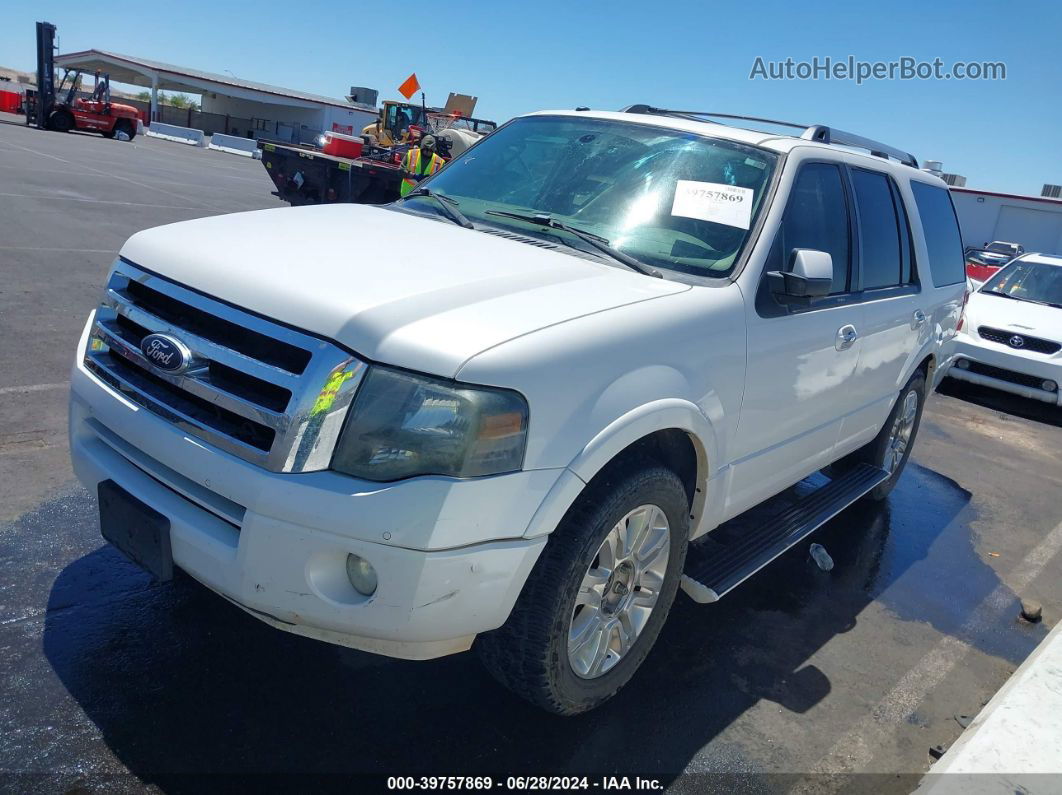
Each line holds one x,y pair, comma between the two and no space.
165,352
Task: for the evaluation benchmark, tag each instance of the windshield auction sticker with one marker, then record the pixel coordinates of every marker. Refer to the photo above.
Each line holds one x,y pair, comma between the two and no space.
712,201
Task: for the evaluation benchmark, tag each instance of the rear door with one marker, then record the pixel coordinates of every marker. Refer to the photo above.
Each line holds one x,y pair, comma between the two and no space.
895,322
801,359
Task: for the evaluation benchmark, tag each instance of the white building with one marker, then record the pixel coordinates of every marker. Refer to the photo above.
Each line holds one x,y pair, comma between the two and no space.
1033,221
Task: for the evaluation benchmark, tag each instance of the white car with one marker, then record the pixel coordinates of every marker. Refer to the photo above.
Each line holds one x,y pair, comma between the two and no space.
498,411
1011,334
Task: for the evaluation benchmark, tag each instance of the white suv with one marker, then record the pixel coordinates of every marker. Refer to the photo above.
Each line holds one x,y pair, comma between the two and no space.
499,411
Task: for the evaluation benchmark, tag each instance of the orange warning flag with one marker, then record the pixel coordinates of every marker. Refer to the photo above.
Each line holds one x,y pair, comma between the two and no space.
410,87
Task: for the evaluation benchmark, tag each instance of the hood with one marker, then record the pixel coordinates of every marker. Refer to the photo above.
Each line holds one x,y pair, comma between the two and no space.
393,287
1024,317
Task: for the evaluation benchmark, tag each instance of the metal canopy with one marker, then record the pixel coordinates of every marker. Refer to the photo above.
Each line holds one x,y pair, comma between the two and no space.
162,76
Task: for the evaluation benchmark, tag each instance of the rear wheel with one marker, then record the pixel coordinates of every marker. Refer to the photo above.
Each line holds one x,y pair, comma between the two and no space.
599,594
61,121
892,446
126,126
122,125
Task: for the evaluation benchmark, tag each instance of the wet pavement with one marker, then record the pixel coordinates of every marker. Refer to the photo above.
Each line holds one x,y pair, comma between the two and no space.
796,679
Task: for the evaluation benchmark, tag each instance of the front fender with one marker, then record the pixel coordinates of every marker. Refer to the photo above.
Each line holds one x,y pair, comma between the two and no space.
659,415
610,441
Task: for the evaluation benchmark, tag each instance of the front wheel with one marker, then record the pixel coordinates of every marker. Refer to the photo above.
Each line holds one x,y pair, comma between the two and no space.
599,594
61,121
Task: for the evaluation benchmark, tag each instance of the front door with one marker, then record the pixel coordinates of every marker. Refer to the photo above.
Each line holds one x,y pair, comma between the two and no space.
801,359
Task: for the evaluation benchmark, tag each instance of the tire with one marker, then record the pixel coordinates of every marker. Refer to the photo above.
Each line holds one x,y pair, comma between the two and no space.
123,125
61,121
882,451
530,653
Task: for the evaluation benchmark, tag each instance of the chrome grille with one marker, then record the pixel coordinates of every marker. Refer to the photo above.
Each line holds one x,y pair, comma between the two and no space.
1003,337
264,392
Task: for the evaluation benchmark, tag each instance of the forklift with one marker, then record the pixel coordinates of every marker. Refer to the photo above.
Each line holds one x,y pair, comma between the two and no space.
63,109
396,120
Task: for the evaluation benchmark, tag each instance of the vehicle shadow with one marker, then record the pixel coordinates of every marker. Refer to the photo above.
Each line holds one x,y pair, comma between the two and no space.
181,683
996,400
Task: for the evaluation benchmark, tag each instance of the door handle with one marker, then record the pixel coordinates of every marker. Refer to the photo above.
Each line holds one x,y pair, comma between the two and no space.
918,319
846,337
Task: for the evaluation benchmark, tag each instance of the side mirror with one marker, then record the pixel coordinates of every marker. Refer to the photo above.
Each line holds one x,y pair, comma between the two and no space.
810,275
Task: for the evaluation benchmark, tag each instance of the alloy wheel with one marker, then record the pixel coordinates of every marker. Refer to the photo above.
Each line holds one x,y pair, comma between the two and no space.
619,591
900,435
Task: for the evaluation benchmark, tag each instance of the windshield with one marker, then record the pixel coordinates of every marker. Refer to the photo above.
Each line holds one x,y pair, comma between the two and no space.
1000,248
669,199
1028,281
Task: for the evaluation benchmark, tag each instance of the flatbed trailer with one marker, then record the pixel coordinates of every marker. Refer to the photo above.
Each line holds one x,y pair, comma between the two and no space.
306,175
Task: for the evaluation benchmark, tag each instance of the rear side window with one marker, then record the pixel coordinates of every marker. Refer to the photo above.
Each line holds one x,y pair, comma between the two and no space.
816,217
880,231
941,228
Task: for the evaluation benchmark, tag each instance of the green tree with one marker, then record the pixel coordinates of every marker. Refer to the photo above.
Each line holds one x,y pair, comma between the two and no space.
144,96
179,101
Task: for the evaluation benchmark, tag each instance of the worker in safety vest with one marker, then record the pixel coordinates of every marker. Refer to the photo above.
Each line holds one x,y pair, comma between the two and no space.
419,162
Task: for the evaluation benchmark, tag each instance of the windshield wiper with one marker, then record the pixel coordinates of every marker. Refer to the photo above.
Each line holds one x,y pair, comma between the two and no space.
598,242
448,205
1021,298
1041,303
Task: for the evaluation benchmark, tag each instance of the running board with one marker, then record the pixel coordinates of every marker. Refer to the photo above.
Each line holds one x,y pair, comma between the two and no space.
712,570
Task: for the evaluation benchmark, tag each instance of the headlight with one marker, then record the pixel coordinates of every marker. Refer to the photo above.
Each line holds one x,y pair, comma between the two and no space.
402,425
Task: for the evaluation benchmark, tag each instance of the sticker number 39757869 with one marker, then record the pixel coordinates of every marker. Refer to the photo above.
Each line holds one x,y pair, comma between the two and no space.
713,201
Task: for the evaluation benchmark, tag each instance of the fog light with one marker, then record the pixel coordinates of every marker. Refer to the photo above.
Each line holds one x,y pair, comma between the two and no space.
962,364
362,575
1049,385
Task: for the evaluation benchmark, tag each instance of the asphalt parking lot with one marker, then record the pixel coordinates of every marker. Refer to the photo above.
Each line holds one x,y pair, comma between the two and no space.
795,681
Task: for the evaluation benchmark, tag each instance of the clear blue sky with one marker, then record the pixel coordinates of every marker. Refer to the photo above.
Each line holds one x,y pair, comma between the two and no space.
523,56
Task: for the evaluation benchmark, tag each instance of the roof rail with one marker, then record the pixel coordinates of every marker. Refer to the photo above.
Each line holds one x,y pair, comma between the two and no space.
811,132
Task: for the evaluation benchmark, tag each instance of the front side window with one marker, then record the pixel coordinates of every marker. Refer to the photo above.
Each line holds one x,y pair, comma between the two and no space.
816,217
670,199
941,228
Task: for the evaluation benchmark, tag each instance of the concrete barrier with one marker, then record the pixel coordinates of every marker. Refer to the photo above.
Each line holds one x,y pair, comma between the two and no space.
1015,742
171,132
234,144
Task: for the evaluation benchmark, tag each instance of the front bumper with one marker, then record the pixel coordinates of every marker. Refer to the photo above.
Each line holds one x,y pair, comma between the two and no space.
1019,371
449,554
